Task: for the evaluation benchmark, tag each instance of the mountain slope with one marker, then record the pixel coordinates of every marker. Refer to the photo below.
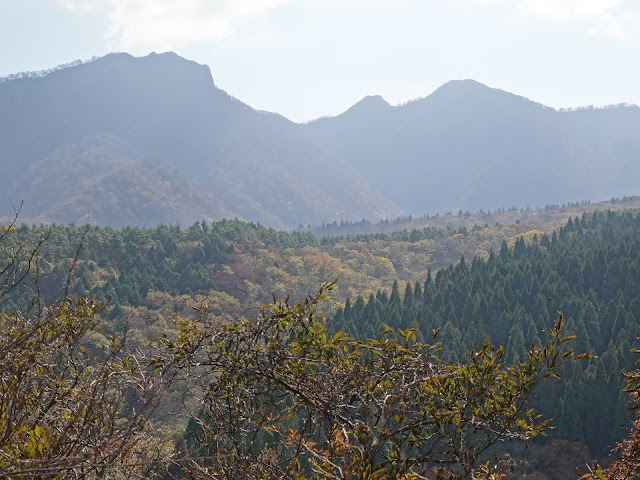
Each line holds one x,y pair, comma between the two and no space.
468,146
122,124
255,164
110,188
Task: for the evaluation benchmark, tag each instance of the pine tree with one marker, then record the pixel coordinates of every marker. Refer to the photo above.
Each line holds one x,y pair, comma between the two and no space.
417,293
515,344
408,319
395,294
408,296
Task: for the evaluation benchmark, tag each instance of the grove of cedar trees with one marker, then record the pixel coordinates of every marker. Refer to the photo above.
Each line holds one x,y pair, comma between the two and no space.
509,291
589,271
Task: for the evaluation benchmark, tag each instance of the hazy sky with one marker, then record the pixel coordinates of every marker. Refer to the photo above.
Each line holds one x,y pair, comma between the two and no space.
310,58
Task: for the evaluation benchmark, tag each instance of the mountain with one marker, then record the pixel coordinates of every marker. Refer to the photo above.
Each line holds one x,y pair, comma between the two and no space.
472,147
123,140
110,188
90,142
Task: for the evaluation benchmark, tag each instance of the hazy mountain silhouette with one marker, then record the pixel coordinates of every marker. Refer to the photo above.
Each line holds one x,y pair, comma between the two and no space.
123,140
469,146
164,108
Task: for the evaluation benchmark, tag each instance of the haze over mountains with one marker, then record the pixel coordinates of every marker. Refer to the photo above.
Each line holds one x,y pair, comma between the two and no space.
124,140
471,147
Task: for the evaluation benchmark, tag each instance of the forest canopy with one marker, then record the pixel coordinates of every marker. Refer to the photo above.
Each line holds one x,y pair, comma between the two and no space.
292,393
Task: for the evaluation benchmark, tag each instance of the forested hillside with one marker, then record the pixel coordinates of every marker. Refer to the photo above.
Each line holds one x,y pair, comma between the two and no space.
121,140
548,218
507,282
589,271
248,262
469,146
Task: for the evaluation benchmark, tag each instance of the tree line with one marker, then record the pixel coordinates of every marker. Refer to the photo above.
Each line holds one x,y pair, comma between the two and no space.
71,404
278,397
589,271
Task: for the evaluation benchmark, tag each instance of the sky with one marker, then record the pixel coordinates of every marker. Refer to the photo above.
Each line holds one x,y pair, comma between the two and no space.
310,58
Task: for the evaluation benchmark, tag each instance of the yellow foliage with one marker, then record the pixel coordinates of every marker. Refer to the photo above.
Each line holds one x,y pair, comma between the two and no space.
528,237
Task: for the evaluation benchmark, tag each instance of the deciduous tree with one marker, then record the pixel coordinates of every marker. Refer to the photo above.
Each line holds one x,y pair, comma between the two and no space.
67,411
283,399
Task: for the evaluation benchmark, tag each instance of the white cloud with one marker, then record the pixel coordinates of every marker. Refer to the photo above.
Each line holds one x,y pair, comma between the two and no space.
622,26
612,18
570,10
165,24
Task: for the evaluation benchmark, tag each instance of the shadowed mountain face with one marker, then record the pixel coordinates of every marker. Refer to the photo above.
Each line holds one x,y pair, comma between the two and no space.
120,116
124,140
468,146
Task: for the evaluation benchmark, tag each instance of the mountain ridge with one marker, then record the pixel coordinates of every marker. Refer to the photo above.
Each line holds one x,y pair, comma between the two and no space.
465,146
461,142
168,107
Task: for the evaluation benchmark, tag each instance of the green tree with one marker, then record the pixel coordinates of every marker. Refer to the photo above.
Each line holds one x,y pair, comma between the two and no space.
67,409
284,399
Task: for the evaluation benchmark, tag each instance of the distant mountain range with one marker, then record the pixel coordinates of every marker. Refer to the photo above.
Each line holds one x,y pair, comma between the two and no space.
124,140
471,147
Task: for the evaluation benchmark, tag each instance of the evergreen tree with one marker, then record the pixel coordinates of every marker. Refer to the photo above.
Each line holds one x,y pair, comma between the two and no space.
408,296
417,293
